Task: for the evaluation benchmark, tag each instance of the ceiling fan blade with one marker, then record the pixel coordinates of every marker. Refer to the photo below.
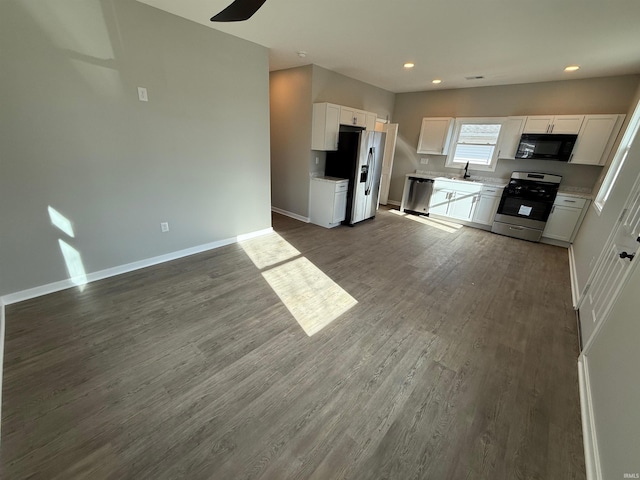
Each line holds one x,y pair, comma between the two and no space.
238,11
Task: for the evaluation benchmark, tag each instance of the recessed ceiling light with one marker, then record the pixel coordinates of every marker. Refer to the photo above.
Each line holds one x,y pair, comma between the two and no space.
572,68
437,80
409,65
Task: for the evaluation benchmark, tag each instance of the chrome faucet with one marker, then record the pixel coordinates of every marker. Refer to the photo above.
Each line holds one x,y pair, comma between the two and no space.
466,171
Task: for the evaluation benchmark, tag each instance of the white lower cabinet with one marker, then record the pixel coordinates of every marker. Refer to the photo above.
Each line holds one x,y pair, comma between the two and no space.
439,203
487,205
455,199
462,205
565,218
327,201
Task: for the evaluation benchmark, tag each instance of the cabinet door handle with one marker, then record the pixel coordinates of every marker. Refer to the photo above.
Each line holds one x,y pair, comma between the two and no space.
499,153
630,256
569,201
553,209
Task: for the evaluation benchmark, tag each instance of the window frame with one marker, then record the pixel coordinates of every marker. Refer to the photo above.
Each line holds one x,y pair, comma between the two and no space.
457,127
619,159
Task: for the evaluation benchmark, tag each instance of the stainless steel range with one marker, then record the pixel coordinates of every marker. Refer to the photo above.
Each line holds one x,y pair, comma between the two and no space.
526,204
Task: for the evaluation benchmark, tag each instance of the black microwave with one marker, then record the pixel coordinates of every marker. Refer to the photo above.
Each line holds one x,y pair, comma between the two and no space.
545,146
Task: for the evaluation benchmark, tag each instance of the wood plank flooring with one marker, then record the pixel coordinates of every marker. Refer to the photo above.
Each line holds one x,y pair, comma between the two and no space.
457,362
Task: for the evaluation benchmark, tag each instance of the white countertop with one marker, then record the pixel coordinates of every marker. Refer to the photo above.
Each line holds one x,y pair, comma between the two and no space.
576,192
323,178
570,191
495,182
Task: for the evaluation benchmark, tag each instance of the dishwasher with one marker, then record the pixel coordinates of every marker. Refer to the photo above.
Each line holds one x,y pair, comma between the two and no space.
419,195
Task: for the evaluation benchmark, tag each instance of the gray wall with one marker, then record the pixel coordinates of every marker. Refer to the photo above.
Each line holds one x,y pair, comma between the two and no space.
599,95
291,115
292,93
596,228
75,137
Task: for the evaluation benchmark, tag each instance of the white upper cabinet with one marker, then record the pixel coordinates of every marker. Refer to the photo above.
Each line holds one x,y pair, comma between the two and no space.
327,118
596,138
357,118
435,135
347,116
510,137
569,124
370,121
325,126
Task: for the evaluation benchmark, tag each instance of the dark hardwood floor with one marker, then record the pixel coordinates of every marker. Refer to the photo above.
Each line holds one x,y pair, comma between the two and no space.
457,362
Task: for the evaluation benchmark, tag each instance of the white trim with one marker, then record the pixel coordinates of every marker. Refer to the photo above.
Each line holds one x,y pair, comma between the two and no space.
394,202
113,271
589,438
458,123
618,161
2,323
575,293
286,213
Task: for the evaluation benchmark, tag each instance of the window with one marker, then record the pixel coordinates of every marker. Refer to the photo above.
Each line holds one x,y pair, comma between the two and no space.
618,161
475,141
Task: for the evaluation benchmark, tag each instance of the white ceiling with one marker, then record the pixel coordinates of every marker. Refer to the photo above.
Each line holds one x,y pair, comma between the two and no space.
506,41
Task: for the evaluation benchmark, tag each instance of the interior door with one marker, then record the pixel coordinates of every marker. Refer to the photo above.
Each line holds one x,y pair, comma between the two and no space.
391,129
617,256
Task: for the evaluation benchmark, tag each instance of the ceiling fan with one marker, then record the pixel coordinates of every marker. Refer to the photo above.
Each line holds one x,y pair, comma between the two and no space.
238,11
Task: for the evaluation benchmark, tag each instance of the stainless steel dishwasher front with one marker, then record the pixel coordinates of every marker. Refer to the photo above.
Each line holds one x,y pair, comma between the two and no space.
420,190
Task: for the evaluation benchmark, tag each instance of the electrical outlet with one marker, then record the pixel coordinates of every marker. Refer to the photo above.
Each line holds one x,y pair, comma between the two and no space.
164,226
317,160
424,160
142,94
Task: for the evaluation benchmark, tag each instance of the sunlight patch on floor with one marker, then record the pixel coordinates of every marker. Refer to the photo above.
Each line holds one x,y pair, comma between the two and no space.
268,250
309,294
443,225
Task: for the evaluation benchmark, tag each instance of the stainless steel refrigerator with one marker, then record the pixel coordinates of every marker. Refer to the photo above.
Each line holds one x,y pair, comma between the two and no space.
359,159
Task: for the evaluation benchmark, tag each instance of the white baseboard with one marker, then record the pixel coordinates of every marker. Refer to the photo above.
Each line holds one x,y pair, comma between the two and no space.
589,438
290,214
393,202
1,360
129,267
575,294
109,272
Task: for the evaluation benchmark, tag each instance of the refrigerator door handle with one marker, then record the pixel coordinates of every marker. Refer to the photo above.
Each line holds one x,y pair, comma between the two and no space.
372,168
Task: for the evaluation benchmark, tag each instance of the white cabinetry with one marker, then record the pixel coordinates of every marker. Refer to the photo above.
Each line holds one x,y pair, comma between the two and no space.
325,126
565,218
510,137
553,124
370,121
596,138
435,135
487,205
456,199
327,201
327,118
357,118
